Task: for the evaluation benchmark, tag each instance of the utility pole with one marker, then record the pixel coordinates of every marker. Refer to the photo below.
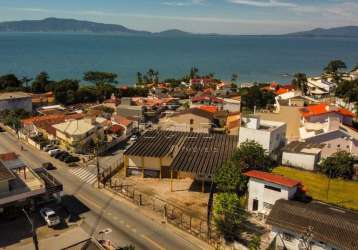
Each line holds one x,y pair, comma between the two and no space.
33,230
97,164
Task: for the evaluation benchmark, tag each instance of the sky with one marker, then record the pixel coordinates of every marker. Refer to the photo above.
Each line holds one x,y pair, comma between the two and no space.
199,16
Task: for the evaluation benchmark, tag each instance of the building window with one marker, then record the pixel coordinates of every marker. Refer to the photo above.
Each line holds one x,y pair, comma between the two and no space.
191,129
267,205
191,121
339,145
287,237
273,188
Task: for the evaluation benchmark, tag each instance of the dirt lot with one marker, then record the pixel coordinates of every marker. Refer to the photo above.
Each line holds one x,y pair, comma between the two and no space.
186,193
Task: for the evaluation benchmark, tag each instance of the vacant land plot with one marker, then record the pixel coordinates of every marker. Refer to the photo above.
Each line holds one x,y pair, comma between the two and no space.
339,192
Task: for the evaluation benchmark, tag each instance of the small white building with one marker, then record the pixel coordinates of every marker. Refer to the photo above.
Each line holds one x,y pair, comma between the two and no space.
301,154
232,104
266,188
15,100
317,86
270,134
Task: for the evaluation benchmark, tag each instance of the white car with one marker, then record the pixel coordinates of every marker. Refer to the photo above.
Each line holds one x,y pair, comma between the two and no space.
50,216
54,151
49,147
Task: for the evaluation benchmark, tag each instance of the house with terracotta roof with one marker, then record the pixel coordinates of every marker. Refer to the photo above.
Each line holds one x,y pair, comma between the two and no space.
264,189
321,113
126,125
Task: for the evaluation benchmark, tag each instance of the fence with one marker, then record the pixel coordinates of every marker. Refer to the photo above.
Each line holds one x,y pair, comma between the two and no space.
169,212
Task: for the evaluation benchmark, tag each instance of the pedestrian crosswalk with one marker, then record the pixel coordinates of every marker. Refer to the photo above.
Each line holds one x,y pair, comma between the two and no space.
84,174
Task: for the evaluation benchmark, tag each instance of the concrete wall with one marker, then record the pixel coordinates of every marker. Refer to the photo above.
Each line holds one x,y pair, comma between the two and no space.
16,103
4,186
300,160
150,163
182,123
258,191
270,140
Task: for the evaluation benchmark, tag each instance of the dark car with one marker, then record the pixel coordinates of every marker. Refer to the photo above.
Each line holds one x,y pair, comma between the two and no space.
63,156
1,130
71,158
58,155
48,166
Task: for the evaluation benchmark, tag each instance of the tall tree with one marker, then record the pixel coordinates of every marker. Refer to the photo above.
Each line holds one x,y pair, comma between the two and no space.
100,78
339,164
65,91
333,68
9,82
26,80
234,77
229,178
139,79
299,81
41,84
194,72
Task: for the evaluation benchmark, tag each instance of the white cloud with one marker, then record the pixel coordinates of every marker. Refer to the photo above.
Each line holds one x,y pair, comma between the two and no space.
184,3
264,3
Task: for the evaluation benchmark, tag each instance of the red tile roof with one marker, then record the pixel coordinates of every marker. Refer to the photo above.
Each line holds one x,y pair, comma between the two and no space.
281,91
116,128
122,120
273,178
8,156
211,109
323,108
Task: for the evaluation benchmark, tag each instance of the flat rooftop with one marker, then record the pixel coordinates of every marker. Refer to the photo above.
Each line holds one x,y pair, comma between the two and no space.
303,147
13,95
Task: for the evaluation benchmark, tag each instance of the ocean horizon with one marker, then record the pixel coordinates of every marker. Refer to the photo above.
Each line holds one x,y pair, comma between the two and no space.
254,58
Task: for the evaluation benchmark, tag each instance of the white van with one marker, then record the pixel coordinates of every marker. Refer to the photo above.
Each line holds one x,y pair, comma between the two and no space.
54,151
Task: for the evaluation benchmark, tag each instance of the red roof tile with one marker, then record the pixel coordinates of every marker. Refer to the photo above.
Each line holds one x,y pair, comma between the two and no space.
274,178
323,108
8,156
211,109
122,120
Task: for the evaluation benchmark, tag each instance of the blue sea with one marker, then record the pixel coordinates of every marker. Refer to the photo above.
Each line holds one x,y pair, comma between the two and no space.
254,58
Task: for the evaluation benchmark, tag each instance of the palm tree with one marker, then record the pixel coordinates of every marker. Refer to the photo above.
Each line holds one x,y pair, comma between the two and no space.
234,77
333,67
25,80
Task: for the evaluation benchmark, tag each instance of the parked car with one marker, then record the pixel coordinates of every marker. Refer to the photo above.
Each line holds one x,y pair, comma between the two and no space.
49,147
50,216
71,158
48,166
1,129
133,138
54,152
62,156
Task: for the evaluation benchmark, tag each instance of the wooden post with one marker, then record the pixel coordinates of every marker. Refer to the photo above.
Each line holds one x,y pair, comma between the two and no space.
203,186
171,180
125,162
142,163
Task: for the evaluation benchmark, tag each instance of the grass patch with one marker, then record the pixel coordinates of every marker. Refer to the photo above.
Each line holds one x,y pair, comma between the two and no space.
343,193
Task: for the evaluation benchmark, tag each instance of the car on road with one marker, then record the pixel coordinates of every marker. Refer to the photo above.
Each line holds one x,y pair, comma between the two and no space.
133,138
62,155
48,166
49,147
71,158
54,152
1,129
50,216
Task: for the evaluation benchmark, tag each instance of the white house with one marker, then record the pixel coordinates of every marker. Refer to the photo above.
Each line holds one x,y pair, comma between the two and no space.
324,226
15,100
317,86
232,104
270,134
301,154
266,188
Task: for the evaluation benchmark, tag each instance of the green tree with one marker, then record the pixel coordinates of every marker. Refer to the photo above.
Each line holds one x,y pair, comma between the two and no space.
26,80
139,79
41,84
340,164
9,82
65,91
254,243
100,78
255,96
86,94
193,72
229,178
234,77
299,81
333,68
252,156
228,215
12,118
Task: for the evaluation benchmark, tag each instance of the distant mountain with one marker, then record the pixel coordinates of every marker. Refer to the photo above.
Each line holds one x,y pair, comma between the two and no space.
174,32
65,25
346,31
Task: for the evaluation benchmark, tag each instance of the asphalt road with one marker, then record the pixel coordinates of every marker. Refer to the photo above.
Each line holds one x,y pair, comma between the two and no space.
100,210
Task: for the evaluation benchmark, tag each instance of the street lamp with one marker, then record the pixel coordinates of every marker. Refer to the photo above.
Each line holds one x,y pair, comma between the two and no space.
33,230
